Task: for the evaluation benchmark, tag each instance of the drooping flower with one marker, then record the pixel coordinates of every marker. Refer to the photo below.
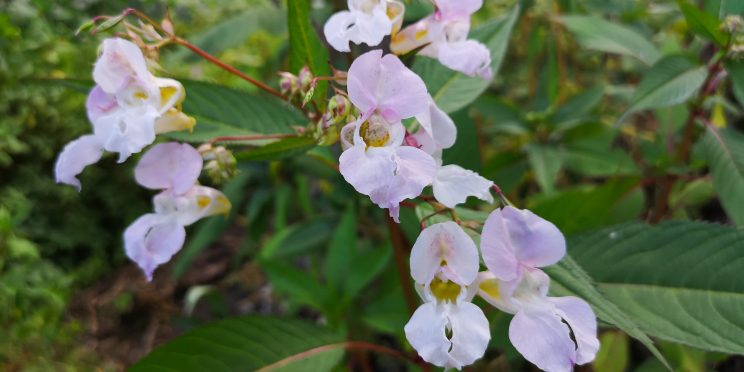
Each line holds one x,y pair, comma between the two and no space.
445,35
515,240
554,333
154,238
375,161
127,108
447,330
453,184
366,21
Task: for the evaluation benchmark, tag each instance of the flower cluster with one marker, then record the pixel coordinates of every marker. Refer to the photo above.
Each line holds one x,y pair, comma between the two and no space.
554,333
127,108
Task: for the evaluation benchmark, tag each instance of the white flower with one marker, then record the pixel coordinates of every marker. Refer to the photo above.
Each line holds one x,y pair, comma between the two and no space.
154,238
127,108
447,330
445,35
366,21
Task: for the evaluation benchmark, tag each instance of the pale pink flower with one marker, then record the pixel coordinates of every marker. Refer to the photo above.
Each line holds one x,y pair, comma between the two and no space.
375,161
445,34
154,238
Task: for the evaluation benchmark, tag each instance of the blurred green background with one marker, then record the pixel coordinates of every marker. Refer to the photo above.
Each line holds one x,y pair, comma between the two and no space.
70,300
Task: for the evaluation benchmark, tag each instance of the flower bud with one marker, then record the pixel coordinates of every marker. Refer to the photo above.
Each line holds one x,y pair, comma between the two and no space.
733,24
287,83
339,108
304,79
219,163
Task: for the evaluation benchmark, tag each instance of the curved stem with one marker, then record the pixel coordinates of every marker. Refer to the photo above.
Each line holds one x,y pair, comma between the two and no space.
399,251
349,345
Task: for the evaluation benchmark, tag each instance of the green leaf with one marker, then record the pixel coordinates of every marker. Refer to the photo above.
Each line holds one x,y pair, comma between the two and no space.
704,24
679,281
282,149
305,48
599,34
341,249
367,266
735,70
724,151
576,109
466,151
452,90
586,207
613,356
570,278
247,344
546,162
672,80
299,286
297,239
221,111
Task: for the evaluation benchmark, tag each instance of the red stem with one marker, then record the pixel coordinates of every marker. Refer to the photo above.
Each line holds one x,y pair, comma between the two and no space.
250,138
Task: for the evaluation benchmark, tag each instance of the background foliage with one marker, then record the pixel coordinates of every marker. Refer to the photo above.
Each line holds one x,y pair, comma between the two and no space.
587,124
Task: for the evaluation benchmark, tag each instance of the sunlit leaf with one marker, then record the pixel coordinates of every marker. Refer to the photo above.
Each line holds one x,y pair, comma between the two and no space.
704,24
679,281
724,151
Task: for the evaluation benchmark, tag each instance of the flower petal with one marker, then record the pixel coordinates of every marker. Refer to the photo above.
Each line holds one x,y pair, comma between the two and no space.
367,170
126,131
497,293
425,331
468,56
444,242
120,61
99,104
337,30
454,184
438,125
371,29
196,203
512,237
540,336
77,155
470,334
169,166
172,94
580,317
497,250
152,240
385,84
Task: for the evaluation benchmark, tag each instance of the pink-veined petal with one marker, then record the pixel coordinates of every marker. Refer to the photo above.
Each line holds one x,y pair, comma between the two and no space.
496,248
438,125
444,242
414,169
454,184
152,240
540,336
580,317
470,334
120,62
536,241
468,56
77,155
425,331
385,84
99,104
169,166
367,170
